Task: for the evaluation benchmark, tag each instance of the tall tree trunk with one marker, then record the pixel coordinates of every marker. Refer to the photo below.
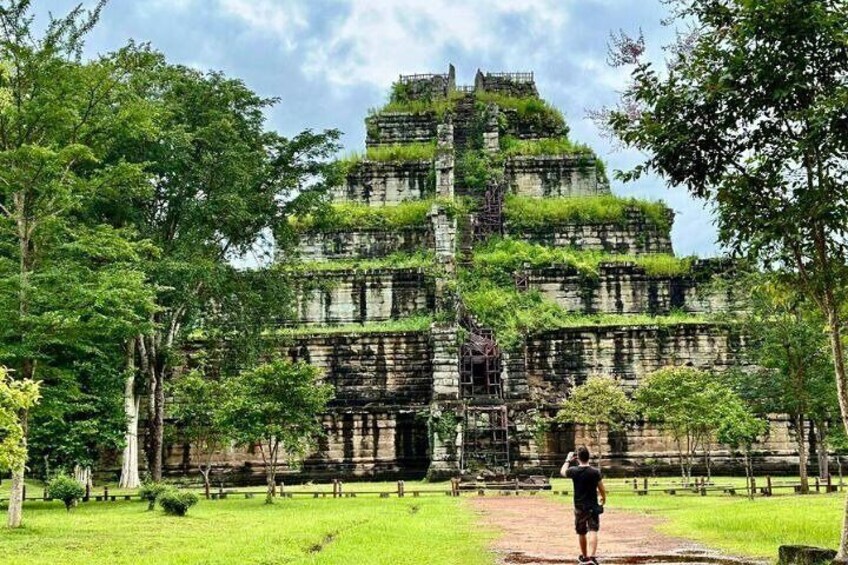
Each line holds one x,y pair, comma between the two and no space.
833,321
83,475
129,461
821,450
801,441
151,366
159,426
16,498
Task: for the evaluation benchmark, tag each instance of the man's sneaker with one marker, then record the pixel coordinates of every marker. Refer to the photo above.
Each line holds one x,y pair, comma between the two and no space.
592,561
582,560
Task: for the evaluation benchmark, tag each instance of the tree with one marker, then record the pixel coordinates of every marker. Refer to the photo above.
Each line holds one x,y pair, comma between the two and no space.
685,403
787,361
275,406
740,429
223,187
749,113
601,405
197,409
17,397
68,288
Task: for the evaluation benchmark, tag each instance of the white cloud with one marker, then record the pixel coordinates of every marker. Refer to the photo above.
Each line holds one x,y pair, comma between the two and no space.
285,19
373,40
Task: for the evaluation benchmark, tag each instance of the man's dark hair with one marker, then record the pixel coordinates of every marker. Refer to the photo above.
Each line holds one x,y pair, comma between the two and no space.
583,454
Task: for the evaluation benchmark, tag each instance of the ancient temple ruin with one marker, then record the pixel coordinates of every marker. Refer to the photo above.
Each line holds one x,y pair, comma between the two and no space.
398,291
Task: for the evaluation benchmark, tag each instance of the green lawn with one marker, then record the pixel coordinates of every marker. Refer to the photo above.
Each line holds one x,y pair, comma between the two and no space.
370,530
411,531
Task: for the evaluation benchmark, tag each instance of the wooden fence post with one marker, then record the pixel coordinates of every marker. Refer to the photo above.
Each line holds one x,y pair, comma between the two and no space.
753,487
105,494
768,485
818,485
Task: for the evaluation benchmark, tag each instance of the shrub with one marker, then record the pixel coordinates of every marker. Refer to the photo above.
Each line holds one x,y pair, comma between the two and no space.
66,489
151,491
177,502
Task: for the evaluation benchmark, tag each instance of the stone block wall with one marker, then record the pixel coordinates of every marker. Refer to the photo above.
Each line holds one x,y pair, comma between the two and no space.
634,235
371,443
514,125
388,128
519,85
380,183
558,360
552,176
340,297
390,368
363,244
626,452
625,288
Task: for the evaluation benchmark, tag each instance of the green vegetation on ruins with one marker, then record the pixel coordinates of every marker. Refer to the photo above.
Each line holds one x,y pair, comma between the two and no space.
341,216
416,323
531,111
524,213
505,256
396,152
512,146
420,260
513,314
488,289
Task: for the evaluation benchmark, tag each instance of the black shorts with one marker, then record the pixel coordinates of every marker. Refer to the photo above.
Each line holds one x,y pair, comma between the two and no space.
586,521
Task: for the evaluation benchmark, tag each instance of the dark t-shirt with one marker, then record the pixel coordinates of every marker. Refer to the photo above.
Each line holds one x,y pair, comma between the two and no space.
586,481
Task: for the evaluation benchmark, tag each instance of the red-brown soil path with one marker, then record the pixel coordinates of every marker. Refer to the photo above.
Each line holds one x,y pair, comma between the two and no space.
538,529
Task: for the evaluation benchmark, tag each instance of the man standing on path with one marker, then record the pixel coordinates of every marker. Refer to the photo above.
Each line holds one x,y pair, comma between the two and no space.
588,484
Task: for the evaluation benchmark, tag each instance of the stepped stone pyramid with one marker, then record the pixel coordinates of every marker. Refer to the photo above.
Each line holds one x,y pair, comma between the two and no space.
447,300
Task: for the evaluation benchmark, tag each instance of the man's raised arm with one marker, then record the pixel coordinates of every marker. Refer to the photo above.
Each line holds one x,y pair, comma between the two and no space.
564,469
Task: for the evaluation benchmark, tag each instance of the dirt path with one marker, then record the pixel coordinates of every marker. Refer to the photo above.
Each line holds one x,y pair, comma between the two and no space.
537,529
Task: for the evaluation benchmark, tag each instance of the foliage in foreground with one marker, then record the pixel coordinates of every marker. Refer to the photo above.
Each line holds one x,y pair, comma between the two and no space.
749,114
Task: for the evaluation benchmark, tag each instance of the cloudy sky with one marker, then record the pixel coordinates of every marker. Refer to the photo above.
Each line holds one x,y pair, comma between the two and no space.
330,60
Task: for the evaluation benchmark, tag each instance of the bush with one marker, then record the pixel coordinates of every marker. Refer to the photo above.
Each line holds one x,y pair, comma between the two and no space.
151,491
66,489
177,502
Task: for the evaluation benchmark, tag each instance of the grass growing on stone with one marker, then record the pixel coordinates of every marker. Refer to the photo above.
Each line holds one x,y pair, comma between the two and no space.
420,323
511,147
397,152
502,257
352,216
523,213
513,314
295,531
531,110
420,260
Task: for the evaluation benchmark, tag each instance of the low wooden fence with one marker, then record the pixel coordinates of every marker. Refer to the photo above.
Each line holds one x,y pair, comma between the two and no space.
640,487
